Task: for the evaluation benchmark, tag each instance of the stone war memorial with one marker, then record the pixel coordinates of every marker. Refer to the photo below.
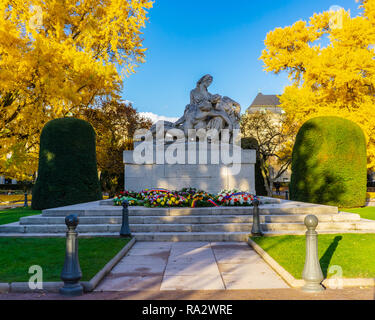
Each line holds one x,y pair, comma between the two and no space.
189,180
201,150
225,168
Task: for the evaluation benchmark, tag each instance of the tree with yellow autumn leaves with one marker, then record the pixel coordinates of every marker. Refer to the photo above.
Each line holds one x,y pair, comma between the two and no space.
56,58
330,61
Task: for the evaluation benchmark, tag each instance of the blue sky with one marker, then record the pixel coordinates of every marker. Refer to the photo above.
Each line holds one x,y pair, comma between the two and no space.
187,39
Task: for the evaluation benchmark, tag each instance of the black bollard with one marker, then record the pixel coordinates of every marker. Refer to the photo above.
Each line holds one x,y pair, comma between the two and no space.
125,229
71,273
286,195
25,204
256,230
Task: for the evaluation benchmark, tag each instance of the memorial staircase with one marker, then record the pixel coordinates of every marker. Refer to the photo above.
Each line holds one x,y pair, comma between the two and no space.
101,218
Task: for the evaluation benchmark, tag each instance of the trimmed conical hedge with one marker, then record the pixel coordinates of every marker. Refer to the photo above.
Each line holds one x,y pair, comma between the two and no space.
329,163
67,171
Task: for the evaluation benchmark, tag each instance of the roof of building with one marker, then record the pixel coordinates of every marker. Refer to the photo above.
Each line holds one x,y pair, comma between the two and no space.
263,100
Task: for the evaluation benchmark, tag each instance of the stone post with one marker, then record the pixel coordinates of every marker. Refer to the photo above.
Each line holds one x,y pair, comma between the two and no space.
125,229
312,272
71,273
256,230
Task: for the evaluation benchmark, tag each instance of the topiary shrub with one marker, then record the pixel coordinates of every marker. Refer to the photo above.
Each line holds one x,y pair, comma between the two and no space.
329,163
67,172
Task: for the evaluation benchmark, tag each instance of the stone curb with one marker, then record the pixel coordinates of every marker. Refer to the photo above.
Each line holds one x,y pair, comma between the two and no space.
288,278
332,283
23,287
54,287
92,284
4,287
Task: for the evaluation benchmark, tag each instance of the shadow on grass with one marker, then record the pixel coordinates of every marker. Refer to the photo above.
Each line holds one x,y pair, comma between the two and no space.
325,260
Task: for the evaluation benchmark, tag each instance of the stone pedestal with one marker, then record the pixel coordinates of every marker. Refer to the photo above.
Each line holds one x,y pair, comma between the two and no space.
212,174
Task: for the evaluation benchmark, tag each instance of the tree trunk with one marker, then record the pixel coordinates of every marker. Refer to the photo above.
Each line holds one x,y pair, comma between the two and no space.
265,177
271,187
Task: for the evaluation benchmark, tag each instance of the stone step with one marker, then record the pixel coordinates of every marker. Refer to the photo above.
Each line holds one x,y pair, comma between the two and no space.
228,227
149,236
57,228
187,228
39,220
302,233
104,228
323,226
192,236
272,209
181,236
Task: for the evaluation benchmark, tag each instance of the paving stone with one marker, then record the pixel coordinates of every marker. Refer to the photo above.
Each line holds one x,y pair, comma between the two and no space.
156,245
238,268
144,260
191,269
197,282
190,251
219,245
130,283
255,279
125,269
242,256
191,244
230,246
203,257
139,251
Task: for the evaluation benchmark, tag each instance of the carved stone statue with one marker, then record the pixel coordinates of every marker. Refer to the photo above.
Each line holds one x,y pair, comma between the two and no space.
206,111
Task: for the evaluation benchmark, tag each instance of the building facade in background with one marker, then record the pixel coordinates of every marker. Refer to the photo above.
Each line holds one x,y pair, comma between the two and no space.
4,180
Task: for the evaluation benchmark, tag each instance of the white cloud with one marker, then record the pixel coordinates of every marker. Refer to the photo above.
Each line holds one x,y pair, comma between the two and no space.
155,118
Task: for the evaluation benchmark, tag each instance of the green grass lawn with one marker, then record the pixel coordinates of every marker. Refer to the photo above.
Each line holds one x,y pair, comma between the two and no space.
355,253
365,212
18,254
13,215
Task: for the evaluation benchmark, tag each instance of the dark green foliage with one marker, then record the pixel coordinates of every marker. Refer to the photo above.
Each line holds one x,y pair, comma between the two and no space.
112,183
329,163
67,172
252,143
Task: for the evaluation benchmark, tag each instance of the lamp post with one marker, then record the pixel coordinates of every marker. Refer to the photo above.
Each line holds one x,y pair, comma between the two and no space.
256,230
312,272
125,229
71,273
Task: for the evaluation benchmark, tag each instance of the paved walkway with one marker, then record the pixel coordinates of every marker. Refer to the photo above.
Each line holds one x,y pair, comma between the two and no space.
165,266
255,294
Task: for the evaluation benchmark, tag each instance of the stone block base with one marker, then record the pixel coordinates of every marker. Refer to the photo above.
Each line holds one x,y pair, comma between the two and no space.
209,177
